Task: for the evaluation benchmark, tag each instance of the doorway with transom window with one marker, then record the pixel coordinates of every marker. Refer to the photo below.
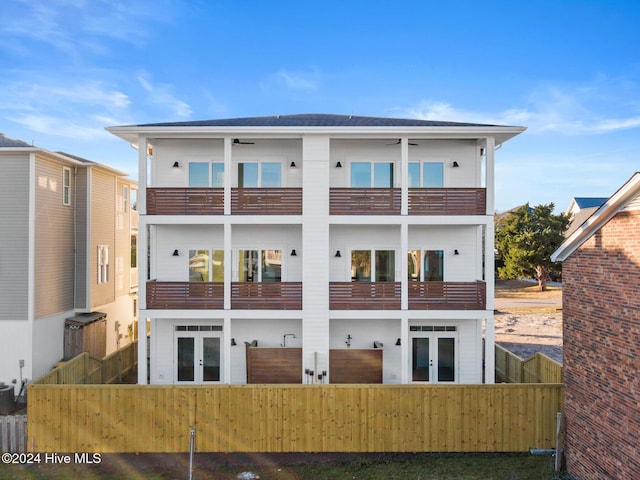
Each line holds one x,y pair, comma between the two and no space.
433,353
198,357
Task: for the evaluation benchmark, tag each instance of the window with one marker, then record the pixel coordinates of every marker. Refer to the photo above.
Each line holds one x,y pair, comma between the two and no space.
125,199
199,174
378,265
206,265
66,186
429,269
134,199
134,251
259,174
368,174
260,265
103,263
430,176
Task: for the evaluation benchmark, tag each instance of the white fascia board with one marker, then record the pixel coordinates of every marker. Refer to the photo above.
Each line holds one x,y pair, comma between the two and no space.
219,314
220,220
599,218
131,133
410,219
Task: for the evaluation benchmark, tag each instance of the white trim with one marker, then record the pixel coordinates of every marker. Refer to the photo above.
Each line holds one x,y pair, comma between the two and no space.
599,218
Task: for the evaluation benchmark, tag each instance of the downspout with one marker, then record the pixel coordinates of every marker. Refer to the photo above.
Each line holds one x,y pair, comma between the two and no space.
75,237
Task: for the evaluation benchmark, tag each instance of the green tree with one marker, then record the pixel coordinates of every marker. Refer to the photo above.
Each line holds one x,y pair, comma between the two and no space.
525,240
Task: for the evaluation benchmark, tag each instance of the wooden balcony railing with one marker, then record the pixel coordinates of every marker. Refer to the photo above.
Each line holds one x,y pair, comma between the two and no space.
185,295
364,295
266,201
447,201
364,201
447,295
185,201
266,295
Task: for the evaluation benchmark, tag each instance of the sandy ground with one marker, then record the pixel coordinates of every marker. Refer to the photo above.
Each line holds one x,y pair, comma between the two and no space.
526,324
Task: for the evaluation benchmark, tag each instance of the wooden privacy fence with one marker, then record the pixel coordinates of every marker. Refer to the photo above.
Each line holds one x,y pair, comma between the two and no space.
293,418
85,369
13,433
536,369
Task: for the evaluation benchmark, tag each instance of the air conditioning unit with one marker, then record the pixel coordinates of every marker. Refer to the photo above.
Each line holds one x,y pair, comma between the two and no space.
7,399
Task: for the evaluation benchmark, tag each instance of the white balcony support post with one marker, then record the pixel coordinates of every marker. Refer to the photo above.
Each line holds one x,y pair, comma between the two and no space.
143,273
404,266
490,349
227,266
404,176
490,173
228,176
404,350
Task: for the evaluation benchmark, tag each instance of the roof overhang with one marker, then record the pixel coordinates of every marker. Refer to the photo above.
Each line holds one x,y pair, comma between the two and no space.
599,218
133,133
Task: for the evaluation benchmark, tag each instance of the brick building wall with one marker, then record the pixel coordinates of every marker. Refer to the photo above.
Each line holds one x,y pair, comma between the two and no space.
601,306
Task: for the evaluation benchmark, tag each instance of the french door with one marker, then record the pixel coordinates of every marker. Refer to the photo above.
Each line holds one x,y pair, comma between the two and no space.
198,356
433,355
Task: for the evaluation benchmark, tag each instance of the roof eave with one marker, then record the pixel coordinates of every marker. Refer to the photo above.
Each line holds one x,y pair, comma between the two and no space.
599,218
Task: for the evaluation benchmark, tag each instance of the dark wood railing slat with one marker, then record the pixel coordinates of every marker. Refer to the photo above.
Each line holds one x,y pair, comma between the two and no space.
364,295
364,201
447,295
266,201
447,201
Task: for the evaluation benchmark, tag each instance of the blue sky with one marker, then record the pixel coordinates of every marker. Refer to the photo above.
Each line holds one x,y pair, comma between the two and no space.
567,70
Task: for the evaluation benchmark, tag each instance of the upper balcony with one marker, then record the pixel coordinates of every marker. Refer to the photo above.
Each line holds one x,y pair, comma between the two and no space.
364,201
447,201
266,201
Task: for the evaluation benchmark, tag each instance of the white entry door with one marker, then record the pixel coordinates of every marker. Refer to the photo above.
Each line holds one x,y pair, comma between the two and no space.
433,355
198,357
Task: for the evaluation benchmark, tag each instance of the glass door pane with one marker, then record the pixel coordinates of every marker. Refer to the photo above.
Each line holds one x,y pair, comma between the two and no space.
446,360
186,356
433,265
385,266
198,174
211,359
271,265
383,175
420,359
217,174
433,175
271,175
360,174
413,259
361,265
248,175
198,265
414,175
248,268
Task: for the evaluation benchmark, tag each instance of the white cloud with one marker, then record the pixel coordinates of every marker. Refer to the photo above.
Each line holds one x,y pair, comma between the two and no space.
161,95
583,109
61,126
296,80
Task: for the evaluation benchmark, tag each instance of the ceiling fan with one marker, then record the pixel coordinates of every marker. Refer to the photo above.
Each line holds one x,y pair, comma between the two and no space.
237,141
399,141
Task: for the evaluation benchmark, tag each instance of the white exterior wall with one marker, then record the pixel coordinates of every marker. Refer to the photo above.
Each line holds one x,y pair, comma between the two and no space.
316,237
16,346
48,342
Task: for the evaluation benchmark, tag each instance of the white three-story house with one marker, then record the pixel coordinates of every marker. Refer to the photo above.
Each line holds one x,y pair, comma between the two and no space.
316,249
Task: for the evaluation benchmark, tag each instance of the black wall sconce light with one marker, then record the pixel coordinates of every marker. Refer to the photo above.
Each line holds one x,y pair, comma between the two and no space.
176,164
294,253
455,164
292,165
233,342
338,254
398,342
176,253
377,344
456,252
338,165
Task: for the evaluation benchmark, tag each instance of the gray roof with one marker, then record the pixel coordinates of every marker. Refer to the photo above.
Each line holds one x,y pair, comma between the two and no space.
314,120
80,159
6,142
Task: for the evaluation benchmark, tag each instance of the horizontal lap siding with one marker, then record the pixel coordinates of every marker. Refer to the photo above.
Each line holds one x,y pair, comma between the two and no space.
293,418
14,237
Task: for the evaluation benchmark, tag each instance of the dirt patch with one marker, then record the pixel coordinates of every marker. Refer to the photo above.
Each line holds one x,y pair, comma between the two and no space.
536,327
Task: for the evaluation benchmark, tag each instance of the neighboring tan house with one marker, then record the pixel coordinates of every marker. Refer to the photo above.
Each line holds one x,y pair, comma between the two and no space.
68,225
601,315
316,248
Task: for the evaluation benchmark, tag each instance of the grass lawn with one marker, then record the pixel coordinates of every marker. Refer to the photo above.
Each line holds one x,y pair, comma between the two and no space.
420,466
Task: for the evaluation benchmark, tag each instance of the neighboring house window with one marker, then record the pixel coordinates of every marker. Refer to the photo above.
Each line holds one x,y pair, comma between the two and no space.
379,265
135,308
371,174
134,251
134,199
125,198
205,174
431,175
260,265
103,263
259,174
206,265
66,186
426,265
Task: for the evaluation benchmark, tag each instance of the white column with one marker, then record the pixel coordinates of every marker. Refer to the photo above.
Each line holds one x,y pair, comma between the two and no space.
490,352
143,242
404,175
228,175
490,173
404,349
315,253
228,334
404,267
228,263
